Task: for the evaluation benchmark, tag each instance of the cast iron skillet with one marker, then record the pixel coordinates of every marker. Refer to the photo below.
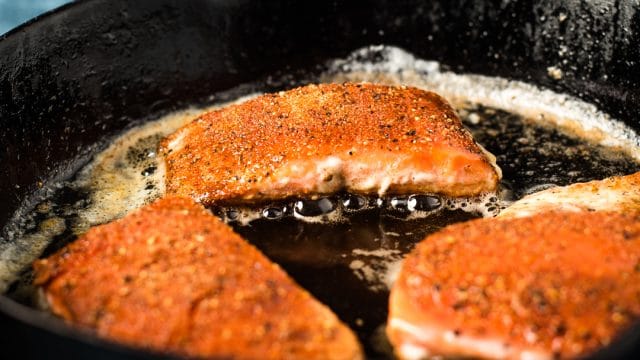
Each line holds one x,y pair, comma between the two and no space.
86,70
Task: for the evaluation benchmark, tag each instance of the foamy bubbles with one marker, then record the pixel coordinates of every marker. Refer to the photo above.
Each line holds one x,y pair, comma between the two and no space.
339,208
128,174
13,259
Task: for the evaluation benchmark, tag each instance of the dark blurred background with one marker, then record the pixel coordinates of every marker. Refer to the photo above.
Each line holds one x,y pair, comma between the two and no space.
15,12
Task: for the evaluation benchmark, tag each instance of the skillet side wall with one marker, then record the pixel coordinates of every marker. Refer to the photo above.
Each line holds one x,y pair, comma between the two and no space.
87,71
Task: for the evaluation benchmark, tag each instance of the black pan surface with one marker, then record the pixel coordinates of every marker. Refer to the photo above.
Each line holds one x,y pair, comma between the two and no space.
89,69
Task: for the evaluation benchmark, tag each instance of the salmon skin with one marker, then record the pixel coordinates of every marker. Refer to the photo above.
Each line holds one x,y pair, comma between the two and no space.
547,286
173,278
322,139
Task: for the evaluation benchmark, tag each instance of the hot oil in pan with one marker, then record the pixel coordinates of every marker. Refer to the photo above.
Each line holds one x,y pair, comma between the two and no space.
347,263
345,249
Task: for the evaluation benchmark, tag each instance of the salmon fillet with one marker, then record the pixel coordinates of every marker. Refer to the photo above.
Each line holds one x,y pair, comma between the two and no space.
552,285
321,139
617,193
172,277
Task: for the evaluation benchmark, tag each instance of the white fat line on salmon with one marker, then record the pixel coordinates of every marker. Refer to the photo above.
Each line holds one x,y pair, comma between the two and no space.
424,335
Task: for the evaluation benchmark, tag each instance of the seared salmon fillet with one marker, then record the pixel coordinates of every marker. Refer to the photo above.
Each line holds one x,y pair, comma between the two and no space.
552,285
321,139
172,277
617,193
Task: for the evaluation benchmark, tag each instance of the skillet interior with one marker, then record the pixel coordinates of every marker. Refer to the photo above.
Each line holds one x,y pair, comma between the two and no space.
86,71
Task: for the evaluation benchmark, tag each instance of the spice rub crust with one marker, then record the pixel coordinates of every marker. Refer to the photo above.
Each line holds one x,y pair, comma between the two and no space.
171,277
321,139
552,285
